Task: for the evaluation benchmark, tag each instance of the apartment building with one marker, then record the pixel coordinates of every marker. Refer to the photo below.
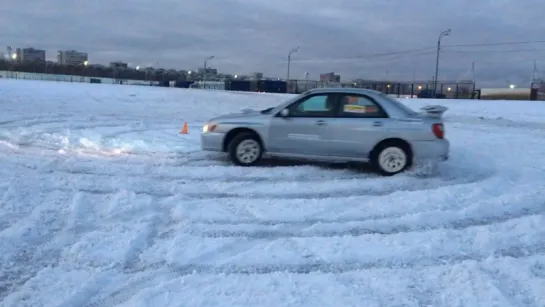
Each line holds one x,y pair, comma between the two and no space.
72,57
119,65
31,55
330,77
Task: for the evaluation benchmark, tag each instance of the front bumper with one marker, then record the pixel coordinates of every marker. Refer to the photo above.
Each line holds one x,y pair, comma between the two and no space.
211,141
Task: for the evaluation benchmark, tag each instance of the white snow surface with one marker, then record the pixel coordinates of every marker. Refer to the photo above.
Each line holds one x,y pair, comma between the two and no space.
103,203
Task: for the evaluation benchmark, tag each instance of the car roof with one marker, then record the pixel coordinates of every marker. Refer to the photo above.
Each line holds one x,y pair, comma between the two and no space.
342,90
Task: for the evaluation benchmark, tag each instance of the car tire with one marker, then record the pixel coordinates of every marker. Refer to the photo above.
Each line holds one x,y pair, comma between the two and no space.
245,149
389,159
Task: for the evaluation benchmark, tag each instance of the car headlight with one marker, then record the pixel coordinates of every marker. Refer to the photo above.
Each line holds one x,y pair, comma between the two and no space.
208,128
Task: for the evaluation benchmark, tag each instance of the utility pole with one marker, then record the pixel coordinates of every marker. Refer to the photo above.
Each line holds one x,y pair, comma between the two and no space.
444,33
204,72
289,61
414,71
473,73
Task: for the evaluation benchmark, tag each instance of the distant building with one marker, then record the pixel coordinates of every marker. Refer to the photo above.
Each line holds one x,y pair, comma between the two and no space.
71,57
330,77
17,54
237,77
209,71
119,65
538,84
30,55
464,86
9,52
257,76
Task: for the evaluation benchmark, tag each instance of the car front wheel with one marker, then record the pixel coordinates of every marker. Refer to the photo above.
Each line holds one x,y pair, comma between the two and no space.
245,149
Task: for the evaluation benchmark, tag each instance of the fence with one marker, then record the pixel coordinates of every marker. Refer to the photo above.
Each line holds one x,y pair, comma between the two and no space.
454,90
69,78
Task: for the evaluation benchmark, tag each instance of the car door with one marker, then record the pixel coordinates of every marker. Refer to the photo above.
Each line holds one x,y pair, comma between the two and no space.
360,124
305,130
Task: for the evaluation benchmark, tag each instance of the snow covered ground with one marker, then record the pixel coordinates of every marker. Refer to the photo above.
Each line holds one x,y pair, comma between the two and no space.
103,203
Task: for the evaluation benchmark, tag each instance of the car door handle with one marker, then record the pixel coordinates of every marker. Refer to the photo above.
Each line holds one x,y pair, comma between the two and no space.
321,122
377,124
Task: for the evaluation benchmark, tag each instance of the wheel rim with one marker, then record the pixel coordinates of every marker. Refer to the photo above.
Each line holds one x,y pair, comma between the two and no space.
248,151
392,159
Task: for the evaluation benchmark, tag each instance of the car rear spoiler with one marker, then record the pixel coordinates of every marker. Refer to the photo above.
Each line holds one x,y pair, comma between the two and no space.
434,110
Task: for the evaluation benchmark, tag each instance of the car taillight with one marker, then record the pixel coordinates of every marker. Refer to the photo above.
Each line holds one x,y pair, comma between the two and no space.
438,130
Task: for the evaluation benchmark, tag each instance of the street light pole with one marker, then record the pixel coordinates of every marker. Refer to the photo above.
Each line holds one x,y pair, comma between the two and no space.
444,33
204,72
289,61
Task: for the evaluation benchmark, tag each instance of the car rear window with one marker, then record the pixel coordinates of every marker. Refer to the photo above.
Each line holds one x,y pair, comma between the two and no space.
399,104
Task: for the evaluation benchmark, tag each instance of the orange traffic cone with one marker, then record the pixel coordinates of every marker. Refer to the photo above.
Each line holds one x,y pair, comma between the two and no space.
184,129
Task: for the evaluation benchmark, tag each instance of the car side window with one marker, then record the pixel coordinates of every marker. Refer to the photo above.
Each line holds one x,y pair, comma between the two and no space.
360,106
314,106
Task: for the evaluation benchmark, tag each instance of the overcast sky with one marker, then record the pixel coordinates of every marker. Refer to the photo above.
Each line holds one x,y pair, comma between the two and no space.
256,35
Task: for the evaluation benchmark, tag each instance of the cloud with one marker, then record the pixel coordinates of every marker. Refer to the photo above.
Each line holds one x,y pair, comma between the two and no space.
256,35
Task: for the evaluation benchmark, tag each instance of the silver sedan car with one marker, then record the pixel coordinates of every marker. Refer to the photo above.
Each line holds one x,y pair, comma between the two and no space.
333,125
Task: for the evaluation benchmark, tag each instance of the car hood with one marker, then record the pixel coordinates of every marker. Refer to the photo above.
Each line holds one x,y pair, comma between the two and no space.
243,114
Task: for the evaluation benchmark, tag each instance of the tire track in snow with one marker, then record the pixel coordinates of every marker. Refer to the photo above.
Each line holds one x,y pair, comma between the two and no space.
63,122
121,295
151,270
182,188
494,122
517,251
494,243
31,121
61,134
38,128
164,185
283,195
401,223
196,175
25,257
538,270
510,289
529,245
291,228
349,187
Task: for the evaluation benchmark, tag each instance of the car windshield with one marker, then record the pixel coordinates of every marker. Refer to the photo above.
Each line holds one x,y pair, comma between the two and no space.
287,102
267,111
400,105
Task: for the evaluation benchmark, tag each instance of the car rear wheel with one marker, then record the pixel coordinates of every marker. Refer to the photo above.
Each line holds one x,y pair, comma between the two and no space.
391,159
245,149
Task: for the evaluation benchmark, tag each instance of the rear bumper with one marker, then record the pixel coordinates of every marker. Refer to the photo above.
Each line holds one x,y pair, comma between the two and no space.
211,141
437,150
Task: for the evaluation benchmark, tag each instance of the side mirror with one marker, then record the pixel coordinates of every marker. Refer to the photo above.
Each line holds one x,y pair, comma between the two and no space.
284,112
